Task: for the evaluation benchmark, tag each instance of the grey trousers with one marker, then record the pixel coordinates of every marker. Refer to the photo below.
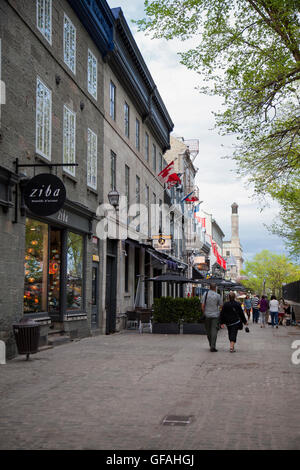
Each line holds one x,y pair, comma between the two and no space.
211,325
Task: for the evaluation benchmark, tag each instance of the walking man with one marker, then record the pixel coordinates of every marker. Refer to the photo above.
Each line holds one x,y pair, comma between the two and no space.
211,308
255,311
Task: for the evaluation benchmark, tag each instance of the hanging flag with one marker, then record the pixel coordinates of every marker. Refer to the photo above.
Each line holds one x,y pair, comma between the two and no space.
164,174
192,199
187,196
197,208
172,180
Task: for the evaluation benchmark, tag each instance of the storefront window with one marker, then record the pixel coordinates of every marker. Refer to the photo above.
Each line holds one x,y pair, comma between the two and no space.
74,271
54,270
36,266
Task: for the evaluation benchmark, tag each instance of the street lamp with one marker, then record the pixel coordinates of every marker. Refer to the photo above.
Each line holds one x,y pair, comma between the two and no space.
113,197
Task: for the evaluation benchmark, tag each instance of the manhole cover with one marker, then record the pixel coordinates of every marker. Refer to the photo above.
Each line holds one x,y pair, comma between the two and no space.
173,420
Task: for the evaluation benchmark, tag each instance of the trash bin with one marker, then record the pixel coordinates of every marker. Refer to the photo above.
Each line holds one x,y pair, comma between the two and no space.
27,334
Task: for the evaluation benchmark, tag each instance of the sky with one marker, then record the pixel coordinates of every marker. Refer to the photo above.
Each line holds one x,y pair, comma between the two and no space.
191,113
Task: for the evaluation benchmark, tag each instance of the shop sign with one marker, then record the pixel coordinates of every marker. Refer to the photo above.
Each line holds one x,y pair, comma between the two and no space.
162,242
44,194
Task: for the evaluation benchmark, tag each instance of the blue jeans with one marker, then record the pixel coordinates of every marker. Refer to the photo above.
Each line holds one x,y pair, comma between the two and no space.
255,315
274,316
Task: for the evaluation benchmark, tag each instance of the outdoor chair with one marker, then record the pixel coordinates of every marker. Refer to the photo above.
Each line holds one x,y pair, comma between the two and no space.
145,322
132,321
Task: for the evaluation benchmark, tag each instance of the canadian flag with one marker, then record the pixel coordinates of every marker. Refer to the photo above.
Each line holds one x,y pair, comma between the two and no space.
172,180
164,174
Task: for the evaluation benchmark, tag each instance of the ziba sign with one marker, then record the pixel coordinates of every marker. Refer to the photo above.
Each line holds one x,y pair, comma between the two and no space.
44,194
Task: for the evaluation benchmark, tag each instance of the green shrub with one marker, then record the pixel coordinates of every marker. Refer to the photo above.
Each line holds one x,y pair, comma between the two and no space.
170,310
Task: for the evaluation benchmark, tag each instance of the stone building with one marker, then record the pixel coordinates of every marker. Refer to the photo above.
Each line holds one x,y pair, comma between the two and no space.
77,92
232,249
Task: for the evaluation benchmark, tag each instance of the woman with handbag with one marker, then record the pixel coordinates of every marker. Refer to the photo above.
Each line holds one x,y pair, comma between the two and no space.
233,317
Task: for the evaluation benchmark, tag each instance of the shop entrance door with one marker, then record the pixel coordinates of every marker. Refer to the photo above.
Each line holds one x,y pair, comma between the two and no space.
111,291
95,296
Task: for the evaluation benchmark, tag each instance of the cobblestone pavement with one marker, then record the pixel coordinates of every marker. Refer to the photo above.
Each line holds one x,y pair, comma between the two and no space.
112,392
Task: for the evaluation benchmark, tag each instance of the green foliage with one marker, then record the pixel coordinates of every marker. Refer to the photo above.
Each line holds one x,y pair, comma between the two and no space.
274,269
170,310
247,51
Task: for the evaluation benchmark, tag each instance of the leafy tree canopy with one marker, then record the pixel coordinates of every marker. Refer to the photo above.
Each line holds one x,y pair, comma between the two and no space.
274,269
248,52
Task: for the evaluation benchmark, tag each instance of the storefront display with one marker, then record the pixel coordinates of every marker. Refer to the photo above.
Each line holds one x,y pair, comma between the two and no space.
53,275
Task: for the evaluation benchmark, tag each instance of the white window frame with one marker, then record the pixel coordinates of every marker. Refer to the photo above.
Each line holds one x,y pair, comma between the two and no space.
42,29
69,140
92,74
67,50
112,100
92,160
41,151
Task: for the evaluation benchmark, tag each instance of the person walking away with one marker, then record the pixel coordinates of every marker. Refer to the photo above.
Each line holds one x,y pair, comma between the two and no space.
248,305
255,310
274,305
263,308
281,312
211,309
233,317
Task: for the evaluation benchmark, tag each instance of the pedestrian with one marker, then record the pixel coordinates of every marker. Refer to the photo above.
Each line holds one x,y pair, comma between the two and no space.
263,308
248,305
274,305
211,309
233,317
255,310
281,311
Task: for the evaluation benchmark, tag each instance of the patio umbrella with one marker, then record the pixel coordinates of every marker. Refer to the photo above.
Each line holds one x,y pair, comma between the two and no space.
170,277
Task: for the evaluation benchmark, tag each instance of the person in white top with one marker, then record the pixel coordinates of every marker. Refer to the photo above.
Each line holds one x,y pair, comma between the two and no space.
274,305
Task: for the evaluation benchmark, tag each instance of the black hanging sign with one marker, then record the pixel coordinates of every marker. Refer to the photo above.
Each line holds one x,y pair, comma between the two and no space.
44,194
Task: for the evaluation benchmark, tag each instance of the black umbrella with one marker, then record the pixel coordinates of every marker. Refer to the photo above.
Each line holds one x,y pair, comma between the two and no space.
170,277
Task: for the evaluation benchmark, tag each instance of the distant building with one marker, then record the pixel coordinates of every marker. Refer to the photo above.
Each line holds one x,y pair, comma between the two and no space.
232,249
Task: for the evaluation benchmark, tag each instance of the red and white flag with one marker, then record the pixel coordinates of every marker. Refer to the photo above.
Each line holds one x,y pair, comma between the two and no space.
164,174
172,180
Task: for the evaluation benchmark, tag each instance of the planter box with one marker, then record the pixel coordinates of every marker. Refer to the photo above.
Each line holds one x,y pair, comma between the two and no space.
166,328
194,329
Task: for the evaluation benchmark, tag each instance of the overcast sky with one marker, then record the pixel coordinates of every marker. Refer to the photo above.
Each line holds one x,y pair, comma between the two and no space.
191,113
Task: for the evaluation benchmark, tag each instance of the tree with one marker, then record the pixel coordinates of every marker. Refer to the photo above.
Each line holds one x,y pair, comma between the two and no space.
249,51
271,271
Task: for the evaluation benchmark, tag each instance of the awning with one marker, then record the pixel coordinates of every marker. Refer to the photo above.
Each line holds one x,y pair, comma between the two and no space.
156,256
197,273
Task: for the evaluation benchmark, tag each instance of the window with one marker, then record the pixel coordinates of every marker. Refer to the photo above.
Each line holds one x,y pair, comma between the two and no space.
36,267
92,74
227,253
92,160
160,216
154,157
138,200
112,97
126,119
44,18
43,120
74,271
113,158
160,162
147,200
147,146
127,185
137,134
69,44
69,139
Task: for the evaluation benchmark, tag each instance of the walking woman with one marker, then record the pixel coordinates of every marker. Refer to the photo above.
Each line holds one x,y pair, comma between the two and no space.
232,316
281,311
263,308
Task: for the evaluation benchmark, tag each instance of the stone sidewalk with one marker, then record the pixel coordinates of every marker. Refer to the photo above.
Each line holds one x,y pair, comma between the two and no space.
113,392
